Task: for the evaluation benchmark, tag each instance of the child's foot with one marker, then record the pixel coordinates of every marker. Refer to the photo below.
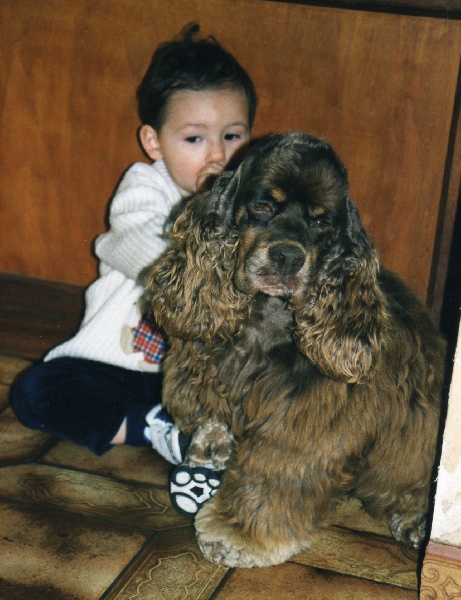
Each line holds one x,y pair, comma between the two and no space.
191,487
164,436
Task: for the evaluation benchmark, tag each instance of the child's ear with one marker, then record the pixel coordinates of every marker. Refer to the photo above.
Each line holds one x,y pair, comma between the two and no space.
149,141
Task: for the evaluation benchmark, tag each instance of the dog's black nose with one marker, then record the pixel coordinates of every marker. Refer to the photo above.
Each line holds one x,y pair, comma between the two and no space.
288,259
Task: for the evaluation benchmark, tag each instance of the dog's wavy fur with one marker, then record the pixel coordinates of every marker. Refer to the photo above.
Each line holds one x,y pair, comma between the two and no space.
324,368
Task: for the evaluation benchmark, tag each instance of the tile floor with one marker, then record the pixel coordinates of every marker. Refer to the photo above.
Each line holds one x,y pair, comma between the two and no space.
77,527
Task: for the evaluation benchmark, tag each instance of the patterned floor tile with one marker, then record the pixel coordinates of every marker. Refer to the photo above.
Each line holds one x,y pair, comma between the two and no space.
11,366
296,582
4,394
362,555
441,573
53,555
124,462
19,443
170,568
138,505
351,515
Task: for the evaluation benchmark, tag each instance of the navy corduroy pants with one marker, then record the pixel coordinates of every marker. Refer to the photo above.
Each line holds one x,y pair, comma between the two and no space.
85,401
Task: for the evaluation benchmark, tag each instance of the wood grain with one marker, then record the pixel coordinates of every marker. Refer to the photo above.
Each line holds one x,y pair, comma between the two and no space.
381,87
36,315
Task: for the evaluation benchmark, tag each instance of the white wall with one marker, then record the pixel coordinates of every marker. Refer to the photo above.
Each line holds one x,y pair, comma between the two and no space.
446,525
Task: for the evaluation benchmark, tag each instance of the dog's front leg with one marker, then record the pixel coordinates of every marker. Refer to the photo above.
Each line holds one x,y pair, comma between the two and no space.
211,445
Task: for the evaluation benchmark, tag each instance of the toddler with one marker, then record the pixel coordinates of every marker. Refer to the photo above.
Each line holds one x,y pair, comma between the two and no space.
103,386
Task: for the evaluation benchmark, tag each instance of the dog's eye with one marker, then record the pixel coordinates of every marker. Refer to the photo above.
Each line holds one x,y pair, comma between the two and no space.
321,226
320,221
261,208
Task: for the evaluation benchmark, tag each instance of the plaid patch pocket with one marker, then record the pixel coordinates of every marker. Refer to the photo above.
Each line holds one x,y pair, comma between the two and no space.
148,340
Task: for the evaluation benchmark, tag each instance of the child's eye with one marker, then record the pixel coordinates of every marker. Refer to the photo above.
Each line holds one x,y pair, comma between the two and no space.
230,137
193,139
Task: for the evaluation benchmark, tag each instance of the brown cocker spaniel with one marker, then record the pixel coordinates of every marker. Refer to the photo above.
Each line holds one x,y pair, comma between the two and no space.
295,358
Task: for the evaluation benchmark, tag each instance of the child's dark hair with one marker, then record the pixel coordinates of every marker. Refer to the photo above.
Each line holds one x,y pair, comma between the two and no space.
188,63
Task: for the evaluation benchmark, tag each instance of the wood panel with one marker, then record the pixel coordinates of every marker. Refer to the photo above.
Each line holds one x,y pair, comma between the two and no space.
443,9
380,87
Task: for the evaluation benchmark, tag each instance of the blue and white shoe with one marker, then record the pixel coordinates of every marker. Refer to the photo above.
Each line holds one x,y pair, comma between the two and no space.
164,436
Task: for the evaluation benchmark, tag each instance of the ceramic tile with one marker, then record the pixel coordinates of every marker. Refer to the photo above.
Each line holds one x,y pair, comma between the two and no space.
19,443
124,462
441,573
296,582
363,555
4,394
54,554
10,366
138,505
351,515
170,568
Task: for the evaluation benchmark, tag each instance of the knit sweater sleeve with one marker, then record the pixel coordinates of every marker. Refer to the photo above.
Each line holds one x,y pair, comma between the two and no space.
137,216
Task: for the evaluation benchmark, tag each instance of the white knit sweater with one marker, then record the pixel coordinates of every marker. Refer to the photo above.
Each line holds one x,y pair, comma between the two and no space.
138,213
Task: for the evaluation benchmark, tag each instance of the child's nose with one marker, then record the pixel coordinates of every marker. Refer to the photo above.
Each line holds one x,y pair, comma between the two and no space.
217,153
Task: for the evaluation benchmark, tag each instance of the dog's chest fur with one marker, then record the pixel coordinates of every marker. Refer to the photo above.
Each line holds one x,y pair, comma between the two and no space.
270,326
263,345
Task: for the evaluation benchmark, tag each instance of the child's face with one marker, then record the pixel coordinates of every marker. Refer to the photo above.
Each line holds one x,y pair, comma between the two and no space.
202,132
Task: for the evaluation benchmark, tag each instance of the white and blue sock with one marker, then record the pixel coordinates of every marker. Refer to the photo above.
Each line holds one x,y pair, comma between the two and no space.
164,436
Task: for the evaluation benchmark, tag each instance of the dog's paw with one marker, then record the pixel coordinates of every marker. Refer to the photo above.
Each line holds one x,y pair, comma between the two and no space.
410,530
228,545
211,446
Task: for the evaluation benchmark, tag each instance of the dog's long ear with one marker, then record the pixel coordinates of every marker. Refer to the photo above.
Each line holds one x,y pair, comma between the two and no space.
192,282
339,324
